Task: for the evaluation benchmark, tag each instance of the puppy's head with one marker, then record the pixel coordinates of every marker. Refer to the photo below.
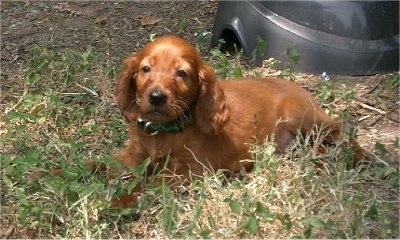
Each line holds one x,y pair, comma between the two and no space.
165,81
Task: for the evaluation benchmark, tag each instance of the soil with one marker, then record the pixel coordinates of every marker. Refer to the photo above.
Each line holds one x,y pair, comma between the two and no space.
111,28
115,29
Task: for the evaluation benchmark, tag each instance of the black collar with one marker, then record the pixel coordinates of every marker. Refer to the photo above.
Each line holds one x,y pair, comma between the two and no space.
155,128
175,126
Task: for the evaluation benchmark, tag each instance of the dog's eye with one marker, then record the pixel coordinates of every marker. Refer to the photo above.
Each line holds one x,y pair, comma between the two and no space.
181,73
146,69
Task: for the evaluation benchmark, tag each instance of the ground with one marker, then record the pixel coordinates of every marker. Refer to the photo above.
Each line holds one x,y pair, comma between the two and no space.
114,29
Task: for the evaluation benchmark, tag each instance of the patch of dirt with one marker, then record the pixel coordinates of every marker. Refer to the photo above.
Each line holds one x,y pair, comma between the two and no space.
113,29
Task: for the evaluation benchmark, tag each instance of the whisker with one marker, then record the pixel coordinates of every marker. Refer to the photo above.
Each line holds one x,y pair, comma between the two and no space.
179,108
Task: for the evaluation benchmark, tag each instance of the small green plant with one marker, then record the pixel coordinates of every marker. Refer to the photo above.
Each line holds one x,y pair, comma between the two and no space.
111,72
65,67
270,63
202,39
294,58
250,212
225,67
39,62
169,217
259,51
394,81
182,22
311,225
325,92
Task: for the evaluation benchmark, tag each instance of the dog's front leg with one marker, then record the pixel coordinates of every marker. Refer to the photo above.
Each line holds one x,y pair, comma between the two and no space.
131,157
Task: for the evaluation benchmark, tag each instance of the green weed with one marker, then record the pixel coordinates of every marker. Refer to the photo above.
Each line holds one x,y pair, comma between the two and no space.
394,81
202,39
293,58
182,22
251,212
51,127
259,51
224,66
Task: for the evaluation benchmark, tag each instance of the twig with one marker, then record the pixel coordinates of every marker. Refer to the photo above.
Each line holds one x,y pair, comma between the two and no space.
375,87
374,121
20,100
363,118
365,100
8,233
91,91
394,108
209,169
379,159
393,119
371,108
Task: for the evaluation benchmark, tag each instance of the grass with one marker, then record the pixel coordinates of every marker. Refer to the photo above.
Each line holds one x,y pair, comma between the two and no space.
61,113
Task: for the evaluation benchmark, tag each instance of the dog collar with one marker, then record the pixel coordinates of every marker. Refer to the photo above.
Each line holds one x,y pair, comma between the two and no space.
154,128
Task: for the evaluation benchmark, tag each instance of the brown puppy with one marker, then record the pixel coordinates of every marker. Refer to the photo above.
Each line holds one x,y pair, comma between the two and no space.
180,111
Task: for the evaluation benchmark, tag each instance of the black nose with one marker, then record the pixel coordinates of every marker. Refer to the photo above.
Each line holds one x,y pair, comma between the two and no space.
157,98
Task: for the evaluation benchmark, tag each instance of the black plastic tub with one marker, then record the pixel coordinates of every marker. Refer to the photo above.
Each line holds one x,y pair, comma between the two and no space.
337,37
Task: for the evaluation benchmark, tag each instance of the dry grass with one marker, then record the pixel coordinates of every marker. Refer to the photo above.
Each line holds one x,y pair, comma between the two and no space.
50,119
285,197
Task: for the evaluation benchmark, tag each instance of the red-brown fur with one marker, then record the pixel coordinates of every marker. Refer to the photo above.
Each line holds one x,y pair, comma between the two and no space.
227,115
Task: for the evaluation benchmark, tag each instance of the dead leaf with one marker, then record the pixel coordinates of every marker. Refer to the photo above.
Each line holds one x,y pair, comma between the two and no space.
101,20
145,21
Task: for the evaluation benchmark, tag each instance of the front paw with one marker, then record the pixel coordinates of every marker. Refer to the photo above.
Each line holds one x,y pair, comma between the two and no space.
125,200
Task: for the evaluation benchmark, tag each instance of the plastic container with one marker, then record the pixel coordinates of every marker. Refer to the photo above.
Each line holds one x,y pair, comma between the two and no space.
337,37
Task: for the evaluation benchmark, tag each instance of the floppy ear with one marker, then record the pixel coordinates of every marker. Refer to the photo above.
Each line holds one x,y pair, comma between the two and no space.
212,111
126,88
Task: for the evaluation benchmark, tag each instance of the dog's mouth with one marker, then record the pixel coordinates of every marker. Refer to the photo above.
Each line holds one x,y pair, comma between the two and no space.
170,111
158,115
